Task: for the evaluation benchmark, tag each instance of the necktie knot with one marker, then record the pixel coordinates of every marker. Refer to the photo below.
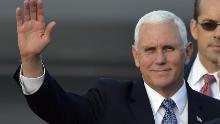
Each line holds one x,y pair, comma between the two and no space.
206,89
168,104
209,78
169,117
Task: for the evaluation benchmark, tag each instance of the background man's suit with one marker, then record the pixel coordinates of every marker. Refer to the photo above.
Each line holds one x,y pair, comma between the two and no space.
187,68
110,102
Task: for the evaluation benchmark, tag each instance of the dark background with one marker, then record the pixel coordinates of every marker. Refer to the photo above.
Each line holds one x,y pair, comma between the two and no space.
92,39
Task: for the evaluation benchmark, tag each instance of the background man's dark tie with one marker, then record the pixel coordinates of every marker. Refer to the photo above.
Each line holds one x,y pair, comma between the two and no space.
206,89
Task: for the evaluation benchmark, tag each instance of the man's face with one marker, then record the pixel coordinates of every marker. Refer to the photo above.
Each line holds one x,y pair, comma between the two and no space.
208,41
160,56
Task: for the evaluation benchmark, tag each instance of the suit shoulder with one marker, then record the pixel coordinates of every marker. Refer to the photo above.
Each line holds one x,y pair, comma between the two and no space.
111,90
206,99
110,86
109,83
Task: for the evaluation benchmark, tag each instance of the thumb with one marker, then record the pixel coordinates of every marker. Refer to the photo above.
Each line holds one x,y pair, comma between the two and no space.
49,29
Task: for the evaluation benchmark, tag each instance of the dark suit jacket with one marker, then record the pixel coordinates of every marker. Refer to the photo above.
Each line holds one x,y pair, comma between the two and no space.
109,102
187,68
216,121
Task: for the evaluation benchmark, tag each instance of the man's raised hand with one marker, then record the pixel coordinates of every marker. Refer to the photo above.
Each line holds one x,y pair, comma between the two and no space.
33,35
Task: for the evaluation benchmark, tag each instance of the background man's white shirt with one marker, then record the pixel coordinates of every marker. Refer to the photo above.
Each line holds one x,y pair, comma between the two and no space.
196,81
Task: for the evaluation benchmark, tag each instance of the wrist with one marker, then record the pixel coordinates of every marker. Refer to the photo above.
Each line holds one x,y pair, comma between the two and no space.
32,66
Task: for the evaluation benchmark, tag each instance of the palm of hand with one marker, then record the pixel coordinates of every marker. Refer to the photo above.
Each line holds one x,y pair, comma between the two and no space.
32,38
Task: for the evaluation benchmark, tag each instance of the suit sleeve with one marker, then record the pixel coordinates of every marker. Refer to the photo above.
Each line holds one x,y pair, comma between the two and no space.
54,105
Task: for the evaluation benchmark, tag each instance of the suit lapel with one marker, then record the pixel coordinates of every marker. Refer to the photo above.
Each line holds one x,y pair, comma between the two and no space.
195,113
143,113
140,104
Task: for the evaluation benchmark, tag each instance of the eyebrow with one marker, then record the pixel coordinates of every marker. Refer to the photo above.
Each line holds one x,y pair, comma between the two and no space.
207,19
166,45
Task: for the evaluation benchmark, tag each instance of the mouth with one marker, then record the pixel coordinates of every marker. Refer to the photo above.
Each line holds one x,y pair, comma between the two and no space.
215,47
218,46
161,70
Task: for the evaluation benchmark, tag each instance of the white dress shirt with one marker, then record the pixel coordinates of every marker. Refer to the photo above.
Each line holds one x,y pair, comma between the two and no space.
180,98
196,81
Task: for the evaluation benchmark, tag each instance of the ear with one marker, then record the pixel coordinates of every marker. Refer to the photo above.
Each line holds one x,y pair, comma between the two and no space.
188,52
135,56
194,29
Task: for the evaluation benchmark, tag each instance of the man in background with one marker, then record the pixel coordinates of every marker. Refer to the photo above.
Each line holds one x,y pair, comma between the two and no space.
203,73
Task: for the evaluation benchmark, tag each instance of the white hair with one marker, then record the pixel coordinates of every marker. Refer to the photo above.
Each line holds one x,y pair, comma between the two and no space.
161,16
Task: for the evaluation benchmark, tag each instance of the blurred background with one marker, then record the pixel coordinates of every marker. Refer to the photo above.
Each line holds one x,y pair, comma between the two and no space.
92,39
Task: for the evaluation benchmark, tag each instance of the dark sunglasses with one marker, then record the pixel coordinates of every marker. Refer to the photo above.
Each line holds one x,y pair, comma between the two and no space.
209,25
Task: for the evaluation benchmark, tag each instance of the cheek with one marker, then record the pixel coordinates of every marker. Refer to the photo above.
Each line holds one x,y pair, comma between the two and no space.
204,38
176,60
146,61
203,42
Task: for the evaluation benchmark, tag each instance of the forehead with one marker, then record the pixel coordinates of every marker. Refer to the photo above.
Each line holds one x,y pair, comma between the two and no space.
210,9
162,33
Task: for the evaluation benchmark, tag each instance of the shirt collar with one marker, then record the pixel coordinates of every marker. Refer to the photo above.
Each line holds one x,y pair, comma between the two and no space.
196,75
180,98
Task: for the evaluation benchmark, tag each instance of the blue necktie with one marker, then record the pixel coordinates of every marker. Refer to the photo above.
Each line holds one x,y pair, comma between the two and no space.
169,117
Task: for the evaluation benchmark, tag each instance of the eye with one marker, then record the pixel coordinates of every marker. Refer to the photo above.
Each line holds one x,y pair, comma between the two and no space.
149,50
209,25
169,48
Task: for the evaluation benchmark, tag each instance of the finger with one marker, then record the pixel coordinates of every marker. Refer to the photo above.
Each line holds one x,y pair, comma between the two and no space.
49,30
33,9
18,17
40,11
26,10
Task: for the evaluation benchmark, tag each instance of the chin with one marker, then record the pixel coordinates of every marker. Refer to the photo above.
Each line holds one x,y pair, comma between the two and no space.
162,83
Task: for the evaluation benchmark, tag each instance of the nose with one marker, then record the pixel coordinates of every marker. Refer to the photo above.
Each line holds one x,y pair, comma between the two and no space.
160,58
